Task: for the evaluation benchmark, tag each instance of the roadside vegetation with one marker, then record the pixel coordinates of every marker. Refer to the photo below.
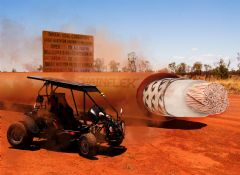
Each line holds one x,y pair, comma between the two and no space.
220,73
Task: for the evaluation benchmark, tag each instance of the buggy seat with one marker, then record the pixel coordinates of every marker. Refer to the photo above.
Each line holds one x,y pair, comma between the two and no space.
63,111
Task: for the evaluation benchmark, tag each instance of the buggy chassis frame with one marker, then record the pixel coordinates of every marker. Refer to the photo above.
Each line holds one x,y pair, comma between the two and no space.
54,84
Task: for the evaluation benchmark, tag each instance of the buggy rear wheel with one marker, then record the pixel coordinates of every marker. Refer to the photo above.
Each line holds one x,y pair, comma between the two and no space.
18,135
88,145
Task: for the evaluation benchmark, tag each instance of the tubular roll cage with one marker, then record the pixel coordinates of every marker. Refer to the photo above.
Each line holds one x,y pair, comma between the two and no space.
85,88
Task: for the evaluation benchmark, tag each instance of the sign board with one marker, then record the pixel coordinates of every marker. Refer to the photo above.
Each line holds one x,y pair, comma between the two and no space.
65,52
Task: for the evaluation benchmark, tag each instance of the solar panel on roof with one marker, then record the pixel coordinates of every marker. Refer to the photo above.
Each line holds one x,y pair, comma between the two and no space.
67,84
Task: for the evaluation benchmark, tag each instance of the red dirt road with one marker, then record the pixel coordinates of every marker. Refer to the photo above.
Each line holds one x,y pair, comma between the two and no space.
207,146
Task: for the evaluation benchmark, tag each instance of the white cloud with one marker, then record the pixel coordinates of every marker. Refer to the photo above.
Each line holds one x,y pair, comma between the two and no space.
194,49
178,57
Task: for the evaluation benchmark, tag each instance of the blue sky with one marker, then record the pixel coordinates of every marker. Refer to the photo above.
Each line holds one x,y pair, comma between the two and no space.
165,30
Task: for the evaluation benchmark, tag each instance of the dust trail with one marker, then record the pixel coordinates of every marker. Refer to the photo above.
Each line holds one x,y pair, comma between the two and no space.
18,49
16,88
23,51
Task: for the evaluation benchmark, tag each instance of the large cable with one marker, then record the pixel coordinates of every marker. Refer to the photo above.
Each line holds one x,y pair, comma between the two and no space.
179,97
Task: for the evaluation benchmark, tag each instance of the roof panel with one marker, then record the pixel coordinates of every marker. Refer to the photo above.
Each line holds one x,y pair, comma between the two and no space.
67,84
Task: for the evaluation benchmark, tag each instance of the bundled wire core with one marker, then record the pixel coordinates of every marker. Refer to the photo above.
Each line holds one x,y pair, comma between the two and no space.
210,98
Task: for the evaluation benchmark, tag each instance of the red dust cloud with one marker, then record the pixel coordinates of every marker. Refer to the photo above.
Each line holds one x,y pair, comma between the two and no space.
119,88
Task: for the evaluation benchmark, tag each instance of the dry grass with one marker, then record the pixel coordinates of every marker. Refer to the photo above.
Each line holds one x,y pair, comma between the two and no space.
231,84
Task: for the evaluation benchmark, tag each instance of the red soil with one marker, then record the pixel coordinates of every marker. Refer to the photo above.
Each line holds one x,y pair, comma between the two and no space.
207,146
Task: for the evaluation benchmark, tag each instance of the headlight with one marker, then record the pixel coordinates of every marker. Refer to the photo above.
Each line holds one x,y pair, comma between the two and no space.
123,127
110,129
101,114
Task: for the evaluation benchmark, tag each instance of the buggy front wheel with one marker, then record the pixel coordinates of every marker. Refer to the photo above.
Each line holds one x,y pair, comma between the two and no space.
88,145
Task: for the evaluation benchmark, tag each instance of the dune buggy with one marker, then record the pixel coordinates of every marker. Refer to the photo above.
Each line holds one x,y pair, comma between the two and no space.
53,119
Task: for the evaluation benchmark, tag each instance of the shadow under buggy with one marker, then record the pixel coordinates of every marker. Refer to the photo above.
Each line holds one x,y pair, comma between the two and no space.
52,118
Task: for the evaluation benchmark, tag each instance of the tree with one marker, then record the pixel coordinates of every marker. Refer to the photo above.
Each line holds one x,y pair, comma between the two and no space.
208,71
221,71
172,67
238,68
144,66
114,66
14,70
181,69
238,59
132,62
40,68
197,68
98,65
125,69
207,67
